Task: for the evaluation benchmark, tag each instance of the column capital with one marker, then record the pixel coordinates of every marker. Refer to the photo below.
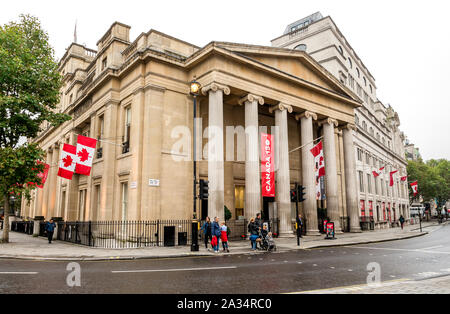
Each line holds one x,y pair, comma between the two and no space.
330,121
349,127
306,114
281,107
251,98
215,87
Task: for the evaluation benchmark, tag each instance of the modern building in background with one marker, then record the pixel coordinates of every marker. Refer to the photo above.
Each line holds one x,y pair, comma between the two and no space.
378,140
134,97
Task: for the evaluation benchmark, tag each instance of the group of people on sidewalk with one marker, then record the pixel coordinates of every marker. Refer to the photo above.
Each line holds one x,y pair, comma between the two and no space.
216,233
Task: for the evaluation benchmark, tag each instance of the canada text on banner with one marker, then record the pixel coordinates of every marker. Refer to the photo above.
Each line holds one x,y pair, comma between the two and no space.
67,162
85,155
267,165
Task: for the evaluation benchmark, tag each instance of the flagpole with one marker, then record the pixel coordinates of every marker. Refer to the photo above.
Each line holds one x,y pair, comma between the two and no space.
298,148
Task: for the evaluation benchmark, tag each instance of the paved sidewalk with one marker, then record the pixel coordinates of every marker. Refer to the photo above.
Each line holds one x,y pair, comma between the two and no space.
23,246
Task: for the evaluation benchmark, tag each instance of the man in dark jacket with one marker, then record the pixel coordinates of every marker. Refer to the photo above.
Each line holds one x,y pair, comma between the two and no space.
216,232
50,228
206,228
299,226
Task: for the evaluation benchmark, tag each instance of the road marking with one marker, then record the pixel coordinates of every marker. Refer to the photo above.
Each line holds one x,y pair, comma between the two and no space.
427,274
399,250
170,270
19,273
433,247
447,270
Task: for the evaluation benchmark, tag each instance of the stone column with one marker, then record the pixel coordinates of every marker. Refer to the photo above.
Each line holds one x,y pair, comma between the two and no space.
331,179
283,181
45,203
350,178
252,166
51,212
216,149
310,204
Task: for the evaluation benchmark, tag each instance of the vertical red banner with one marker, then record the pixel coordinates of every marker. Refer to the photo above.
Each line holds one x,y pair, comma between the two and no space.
267,165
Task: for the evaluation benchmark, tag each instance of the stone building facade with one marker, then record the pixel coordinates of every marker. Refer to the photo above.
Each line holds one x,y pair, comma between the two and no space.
378,141
134,97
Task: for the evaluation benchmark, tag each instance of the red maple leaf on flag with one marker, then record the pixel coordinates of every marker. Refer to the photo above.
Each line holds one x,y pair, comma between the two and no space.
68,161
83,154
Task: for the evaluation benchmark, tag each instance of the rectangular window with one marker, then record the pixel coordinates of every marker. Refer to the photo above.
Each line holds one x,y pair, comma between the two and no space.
368,159
124,192
359,154
127,131
82,206
359,90
369,183
371,209
104,63
100,130
363,208
361,181
376,186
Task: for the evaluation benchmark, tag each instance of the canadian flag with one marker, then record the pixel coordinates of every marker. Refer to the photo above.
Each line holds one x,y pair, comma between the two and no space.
67,162
85,154
319,167
319,159
376,174
404,178
415,187
42,175
391,183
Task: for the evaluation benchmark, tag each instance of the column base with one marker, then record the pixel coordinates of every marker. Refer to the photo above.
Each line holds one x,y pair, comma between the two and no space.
285,235
356,230
313,233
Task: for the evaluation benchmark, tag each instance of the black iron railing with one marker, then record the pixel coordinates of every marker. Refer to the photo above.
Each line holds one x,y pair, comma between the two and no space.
126,234
22,227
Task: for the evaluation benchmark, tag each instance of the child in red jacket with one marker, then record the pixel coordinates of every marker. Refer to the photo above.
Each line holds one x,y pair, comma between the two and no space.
224,237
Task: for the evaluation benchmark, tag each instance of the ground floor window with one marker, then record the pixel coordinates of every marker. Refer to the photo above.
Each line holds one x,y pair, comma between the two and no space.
363,208
239,196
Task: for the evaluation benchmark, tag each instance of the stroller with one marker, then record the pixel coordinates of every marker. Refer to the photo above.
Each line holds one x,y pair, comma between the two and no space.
268,243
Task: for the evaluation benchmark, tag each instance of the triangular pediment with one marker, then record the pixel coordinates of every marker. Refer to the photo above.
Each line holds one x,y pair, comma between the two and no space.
292,62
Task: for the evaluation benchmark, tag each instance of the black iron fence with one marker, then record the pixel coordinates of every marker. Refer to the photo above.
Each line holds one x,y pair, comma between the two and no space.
22,227
127,234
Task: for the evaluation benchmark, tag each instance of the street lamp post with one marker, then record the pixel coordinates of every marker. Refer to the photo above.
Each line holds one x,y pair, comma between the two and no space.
195,91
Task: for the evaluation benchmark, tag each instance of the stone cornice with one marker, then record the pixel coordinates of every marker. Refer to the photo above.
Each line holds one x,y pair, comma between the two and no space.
215,87
282,107
251,98
306,114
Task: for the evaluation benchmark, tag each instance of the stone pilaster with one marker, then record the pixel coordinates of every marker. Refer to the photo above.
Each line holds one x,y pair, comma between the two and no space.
331,172
252,166
45,200
350,178
310,204
283,182
216,176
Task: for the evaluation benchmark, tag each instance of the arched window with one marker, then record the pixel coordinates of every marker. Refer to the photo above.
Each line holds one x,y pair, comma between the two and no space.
371,88
341,50
378,136
364,125
356,119
357,72
365,81
371,131
384,141
350,62
301,47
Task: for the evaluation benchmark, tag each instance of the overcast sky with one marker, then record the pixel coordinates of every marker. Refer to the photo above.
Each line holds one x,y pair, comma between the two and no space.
404,44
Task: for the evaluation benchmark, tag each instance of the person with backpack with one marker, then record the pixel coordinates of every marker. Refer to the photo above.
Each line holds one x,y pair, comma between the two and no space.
206,228
216,233
402,221
253,229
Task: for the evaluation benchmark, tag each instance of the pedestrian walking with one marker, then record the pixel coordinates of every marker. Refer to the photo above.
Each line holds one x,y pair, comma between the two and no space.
50,228
402,221
224,237
254,233
206,228
216,233
299,226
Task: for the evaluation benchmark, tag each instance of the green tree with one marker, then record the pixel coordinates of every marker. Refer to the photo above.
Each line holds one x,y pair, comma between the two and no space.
433,178
29,93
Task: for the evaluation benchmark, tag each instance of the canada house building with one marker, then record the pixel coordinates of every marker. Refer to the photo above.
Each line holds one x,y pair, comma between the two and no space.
134,97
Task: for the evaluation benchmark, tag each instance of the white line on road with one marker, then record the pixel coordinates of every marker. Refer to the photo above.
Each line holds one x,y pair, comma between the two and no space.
170,270
433,247
401,250
18,273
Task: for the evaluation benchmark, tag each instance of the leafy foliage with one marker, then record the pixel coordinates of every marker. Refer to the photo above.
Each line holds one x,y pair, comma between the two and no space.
433,178
29,93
